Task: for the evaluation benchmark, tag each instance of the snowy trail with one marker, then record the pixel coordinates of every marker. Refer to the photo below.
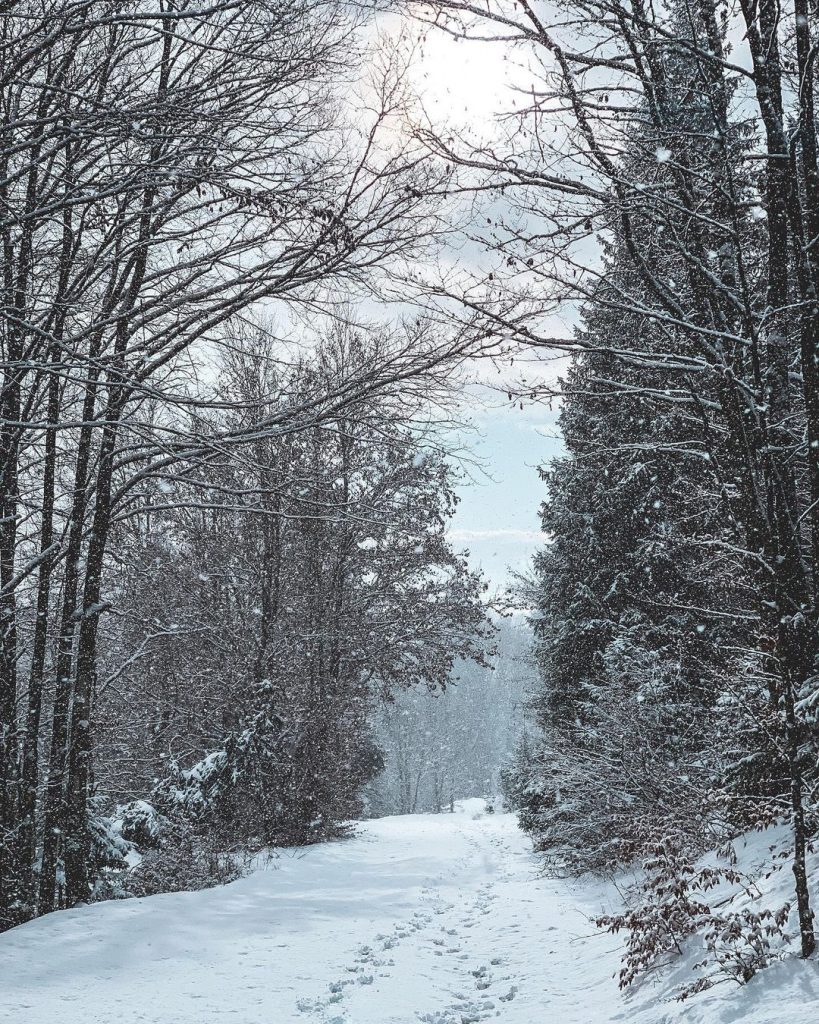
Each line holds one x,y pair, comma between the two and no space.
440,919
429,919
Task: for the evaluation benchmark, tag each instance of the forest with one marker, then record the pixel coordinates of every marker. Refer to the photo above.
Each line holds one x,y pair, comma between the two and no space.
259,271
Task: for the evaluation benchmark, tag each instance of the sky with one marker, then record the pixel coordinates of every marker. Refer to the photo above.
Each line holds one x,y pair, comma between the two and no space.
497,519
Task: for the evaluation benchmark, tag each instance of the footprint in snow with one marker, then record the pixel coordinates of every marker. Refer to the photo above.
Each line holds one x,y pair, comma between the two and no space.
462,1012
483,978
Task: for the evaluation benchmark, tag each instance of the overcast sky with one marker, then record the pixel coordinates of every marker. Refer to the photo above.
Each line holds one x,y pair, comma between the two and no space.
498,516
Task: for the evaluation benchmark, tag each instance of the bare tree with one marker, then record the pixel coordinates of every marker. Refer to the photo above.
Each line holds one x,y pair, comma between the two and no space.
269,601
164,170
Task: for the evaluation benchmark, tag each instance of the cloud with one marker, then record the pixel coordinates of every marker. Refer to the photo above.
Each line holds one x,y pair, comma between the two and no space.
513,536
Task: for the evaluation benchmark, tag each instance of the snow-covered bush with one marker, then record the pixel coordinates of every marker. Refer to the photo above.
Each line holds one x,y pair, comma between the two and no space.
187,860
669,911
141,824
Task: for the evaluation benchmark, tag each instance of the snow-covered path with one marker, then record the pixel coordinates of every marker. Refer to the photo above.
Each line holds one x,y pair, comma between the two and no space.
434,918
437,919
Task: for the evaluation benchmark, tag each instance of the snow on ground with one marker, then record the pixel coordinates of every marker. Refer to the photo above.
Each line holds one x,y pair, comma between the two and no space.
426,919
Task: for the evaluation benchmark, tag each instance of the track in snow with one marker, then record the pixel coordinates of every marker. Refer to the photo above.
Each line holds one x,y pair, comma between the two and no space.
427,919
